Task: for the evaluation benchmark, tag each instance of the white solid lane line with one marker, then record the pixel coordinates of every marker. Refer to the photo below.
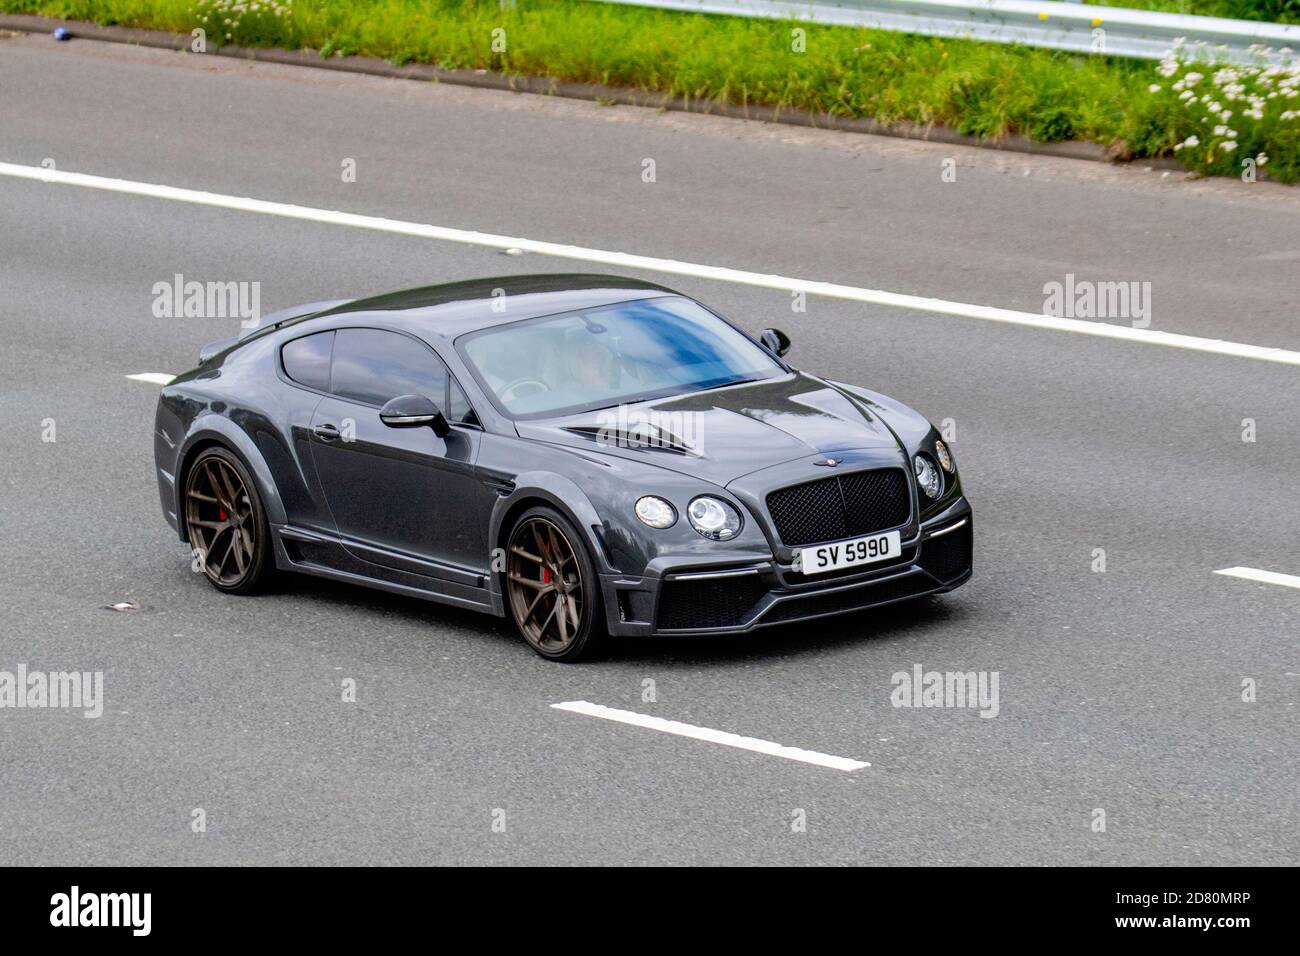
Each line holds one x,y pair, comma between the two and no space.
153,378
672,266
1266,577
710,735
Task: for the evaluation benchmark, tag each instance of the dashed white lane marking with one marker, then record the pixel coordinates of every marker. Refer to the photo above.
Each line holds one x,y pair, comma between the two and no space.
675,267
153,378
710,735
1267,577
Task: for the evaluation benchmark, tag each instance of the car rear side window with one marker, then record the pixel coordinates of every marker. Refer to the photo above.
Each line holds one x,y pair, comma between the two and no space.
374,367
307,360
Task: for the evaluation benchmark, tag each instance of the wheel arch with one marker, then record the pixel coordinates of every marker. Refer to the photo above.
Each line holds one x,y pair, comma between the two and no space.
554,491
216,431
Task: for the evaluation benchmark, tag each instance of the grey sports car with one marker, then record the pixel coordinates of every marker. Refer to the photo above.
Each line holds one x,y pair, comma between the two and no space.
587,454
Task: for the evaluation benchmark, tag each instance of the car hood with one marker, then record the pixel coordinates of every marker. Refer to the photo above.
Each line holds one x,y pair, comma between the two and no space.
724,433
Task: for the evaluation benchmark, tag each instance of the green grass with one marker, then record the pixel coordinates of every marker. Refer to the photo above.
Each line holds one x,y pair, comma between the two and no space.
987,90
1269,11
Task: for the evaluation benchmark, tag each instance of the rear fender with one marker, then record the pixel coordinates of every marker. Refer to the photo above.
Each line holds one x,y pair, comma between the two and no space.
211,428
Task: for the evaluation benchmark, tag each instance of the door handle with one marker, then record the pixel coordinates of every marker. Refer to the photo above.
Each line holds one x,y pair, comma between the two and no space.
326,432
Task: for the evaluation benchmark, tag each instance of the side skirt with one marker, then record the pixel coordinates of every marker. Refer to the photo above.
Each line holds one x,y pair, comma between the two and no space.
308,552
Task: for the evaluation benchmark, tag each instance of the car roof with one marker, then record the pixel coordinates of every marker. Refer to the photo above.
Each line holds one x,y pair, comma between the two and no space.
446,311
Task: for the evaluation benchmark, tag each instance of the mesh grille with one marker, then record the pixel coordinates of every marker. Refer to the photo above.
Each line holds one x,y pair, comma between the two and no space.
840,507
948,556
708,602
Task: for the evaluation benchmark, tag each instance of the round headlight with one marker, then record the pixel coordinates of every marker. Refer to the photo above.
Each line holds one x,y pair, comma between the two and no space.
945,456
655,512
713,518
928,477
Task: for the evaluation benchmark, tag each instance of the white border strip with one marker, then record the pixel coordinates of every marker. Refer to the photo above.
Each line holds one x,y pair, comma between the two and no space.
153,378
1265,577
712,736
673,266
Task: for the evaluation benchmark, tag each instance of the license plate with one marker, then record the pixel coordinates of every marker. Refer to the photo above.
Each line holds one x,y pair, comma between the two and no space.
848,554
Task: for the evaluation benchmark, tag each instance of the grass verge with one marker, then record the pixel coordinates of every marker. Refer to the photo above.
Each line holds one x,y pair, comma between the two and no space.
982,89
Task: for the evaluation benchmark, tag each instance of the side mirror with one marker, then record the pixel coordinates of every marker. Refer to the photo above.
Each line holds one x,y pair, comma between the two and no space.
408,411
775,341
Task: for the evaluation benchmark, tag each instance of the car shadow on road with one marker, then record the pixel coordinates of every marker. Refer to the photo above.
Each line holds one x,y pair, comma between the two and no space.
409,610
901,620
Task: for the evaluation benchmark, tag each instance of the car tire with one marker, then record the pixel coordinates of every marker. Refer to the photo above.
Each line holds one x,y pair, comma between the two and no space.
547,568
230,537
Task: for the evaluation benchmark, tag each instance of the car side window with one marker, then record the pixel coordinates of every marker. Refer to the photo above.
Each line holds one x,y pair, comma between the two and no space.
307,360
459,411
373,367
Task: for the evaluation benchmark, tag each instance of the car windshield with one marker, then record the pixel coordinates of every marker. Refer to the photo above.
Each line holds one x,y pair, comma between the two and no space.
612,355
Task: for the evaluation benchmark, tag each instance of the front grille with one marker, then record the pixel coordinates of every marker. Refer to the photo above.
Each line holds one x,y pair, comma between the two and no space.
708,602
894,589
948,556
843,506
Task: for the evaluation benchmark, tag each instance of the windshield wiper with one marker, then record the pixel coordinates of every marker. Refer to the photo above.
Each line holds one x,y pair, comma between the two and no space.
634,400
739,381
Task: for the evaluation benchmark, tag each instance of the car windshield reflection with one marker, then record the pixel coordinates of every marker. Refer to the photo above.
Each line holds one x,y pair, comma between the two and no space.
630,352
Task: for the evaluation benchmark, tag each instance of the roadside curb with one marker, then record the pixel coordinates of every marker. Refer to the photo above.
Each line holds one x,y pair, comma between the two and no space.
593,92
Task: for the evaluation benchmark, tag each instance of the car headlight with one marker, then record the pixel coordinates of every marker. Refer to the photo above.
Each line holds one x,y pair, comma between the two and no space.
927,476
945,456
655,512
714,518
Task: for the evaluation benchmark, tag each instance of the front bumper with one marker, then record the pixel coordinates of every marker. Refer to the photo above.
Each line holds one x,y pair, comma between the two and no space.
684,597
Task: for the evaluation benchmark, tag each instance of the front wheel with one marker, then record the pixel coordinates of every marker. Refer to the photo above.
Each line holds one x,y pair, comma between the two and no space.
551,587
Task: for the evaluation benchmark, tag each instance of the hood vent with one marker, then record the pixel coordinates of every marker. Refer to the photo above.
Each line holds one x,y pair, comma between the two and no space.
645,436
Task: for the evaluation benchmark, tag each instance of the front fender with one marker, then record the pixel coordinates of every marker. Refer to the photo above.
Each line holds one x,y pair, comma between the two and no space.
565,496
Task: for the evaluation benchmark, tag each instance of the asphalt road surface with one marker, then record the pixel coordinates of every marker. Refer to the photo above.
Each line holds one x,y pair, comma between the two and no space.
1119,690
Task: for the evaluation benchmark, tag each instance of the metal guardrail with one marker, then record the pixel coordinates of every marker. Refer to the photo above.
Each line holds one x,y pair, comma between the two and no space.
1073,26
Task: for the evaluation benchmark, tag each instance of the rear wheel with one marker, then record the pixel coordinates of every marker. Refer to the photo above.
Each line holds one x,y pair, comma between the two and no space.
226,523
551,587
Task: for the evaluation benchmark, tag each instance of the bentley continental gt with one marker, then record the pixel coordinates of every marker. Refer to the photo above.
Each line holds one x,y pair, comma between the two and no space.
588,455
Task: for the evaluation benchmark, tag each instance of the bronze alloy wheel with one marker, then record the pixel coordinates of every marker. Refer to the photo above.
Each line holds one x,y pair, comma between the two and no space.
222,521
546,587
